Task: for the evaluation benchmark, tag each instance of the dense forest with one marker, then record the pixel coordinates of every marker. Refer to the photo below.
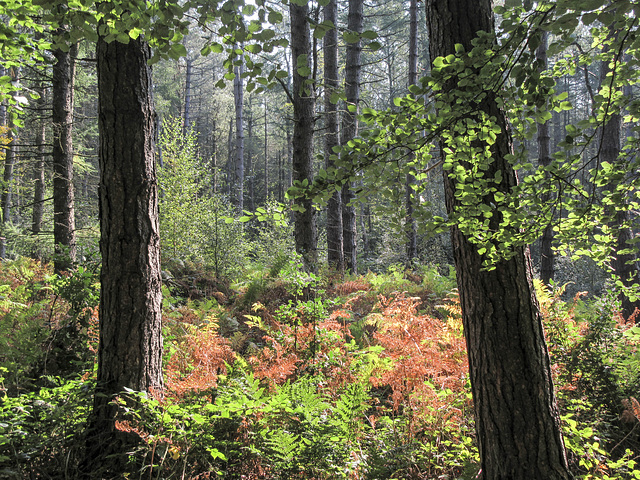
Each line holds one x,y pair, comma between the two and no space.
319,239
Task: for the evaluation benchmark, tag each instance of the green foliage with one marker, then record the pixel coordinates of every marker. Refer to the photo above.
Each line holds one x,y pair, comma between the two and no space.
43,431
194,225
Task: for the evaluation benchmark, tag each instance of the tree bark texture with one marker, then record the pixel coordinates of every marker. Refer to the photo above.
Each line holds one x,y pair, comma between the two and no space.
188,80
353,67
305,230
64,224
38,169
624,265
130,349
335,250
410,199
547,256
266,155
238,98
517,421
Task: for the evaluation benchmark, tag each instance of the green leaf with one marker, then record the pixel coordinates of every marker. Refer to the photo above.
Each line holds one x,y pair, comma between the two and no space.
351,37
274,17
177,50
369,35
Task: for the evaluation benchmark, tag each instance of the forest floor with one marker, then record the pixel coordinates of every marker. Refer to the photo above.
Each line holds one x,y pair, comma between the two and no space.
289,375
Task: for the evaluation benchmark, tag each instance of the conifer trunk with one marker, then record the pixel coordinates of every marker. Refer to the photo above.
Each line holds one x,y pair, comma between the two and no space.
349,131
547,256
411,228
517,421
238,97
38,169
335,250
305,230
130,349
64,224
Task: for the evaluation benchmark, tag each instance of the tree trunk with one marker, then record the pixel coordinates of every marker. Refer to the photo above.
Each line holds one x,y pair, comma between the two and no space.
64,224
335,250
547,256
411,229
186,126
249,177
517,421
130,350
229,168
266,156
214,157
624,265
238,180
38,169
305,230
353,67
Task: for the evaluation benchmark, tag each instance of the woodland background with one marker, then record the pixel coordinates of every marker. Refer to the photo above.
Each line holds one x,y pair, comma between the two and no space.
286,359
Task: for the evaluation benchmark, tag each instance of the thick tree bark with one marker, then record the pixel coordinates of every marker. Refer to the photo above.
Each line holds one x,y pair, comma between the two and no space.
335,251
625,266
355,21
130,350
305,230
64,224
238,98
410,199
517,421
547,256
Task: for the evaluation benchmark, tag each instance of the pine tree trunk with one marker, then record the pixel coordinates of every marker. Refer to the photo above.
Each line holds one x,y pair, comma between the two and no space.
624,265
335,250
64,224
186,126
305,230
130,349
38,169
517,421
250,167
349,131
410,199
266,155
7,177
238,180
547,256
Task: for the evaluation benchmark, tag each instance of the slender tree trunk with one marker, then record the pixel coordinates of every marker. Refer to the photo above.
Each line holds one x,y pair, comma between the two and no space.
7,178
349,131
266,156
64,224
517,421
238,97
305,230
410,198
214,157
289,158
130,349
547,256
249,177
335,250
38,169
230,168
186,126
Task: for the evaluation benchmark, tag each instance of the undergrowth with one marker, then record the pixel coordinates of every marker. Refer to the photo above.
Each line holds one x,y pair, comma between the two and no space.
303,377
